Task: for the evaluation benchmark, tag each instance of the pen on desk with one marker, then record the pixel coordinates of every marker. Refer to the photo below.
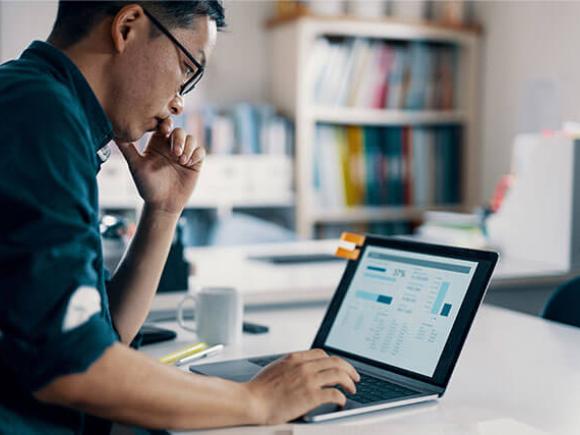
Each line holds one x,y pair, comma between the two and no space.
172,357
210,351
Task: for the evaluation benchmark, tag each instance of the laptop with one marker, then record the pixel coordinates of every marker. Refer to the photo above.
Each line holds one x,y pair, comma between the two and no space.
400,316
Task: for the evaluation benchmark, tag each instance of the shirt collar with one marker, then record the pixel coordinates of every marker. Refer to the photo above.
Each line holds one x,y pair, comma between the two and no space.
67,72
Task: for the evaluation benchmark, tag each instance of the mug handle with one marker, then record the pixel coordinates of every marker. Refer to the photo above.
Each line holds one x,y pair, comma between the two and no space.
180,319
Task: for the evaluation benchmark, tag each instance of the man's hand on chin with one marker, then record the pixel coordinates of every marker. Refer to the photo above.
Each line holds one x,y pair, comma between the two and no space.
166,172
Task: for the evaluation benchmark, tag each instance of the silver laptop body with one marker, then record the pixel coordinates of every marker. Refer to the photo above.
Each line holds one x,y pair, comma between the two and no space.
447,284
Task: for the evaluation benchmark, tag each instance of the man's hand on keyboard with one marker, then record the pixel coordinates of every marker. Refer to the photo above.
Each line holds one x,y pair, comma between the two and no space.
299,382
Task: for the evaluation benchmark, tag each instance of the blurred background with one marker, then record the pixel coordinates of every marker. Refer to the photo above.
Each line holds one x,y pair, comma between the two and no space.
384,116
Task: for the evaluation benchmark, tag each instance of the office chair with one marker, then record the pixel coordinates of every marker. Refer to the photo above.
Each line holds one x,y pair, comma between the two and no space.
564,304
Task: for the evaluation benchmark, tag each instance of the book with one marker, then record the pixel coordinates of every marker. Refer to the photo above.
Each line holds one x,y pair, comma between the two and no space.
360,74
328,170
381,91
372,145
356,164
420,73
396,84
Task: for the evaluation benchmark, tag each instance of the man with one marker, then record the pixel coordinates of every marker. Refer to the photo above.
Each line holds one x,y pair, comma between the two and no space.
111,70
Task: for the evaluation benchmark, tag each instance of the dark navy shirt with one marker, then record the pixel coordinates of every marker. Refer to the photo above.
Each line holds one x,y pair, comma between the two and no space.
54,313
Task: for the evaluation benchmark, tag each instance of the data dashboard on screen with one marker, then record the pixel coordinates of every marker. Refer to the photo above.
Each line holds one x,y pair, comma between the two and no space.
400,308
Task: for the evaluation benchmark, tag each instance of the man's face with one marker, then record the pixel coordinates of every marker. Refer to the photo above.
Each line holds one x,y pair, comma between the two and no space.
147,75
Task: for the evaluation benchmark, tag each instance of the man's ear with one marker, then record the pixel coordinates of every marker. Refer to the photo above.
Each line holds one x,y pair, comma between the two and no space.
129,21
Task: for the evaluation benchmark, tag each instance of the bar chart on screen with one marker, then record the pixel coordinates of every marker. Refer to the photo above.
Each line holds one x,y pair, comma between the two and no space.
399,308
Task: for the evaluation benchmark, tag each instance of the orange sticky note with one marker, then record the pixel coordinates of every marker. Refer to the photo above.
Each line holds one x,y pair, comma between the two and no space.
357,239
347,248
345,253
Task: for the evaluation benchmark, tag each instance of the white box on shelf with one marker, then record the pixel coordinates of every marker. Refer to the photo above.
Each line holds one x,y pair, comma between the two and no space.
116,187
244,180
226,180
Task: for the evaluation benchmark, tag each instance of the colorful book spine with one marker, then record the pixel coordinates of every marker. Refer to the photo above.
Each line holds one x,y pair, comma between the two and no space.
365,73
242,129
388,166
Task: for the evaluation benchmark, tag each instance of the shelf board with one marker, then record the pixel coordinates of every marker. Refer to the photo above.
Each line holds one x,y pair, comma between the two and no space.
273,203
283,201
423,27
378,213
359,116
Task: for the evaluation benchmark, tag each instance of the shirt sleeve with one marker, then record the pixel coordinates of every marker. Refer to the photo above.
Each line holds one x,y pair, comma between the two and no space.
54,317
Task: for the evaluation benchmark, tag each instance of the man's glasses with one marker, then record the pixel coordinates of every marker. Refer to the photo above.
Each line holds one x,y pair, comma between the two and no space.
199,68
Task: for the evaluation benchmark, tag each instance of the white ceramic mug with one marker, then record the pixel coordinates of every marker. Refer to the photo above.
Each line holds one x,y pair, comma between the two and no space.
217,314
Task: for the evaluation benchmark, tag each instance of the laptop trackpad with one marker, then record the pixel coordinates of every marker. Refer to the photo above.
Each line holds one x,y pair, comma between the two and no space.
239,370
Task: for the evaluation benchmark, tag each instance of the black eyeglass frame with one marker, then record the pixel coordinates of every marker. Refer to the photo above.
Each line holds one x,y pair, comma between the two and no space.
194,80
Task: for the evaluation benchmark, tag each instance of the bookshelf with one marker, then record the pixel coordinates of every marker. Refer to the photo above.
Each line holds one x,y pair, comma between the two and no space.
361,116
293,40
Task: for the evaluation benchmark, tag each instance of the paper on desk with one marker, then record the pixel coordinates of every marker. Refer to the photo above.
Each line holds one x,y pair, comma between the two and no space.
490,427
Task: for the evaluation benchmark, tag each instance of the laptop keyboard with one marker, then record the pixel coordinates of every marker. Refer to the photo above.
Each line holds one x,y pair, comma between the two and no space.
371,389
368,390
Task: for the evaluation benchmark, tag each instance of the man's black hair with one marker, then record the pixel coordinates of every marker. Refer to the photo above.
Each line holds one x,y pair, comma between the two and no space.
75,19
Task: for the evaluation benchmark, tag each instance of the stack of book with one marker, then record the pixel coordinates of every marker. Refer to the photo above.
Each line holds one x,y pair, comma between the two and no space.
365,73
242,129
395,166
455,229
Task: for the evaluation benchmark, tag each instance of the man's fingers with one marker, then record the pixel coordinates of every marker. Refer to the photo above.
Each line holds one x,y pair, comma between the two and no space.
189,148
307,355
331,395
164,128
332,377
334,362
196,158
184,148
178,139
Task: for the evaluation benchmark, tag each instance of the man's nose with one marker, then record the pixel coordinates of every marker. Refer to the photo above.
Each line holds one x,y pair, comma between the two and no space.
176,105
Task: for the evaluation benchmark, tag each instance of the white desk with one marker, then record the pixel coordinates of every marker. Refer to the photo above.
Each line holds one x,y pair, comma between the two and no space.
512,366
263,283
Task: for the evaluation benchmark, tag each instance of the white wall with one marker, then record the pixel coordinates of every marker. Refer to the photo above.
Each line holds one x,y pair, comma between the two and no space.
237,71
530,61
531,74
22,21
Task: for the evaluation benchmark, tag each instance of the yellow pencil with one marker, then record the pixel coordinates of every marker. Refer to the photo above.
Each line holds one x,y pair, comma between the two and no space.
173,357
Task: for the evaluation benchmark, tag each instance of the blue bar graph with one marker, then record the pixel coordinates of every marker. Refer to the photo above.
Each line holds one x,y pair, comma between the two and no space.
377,268
373,297
440,298
382,299
445,310
366,296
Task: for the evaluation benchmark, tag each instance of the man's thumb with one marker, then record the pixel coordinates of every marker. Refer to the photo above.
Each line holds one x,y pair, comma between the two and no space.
130,152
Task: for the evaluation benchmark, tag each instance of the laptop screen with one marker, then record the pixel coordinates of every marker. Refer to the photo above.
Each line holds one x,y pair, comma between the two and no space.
400,307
